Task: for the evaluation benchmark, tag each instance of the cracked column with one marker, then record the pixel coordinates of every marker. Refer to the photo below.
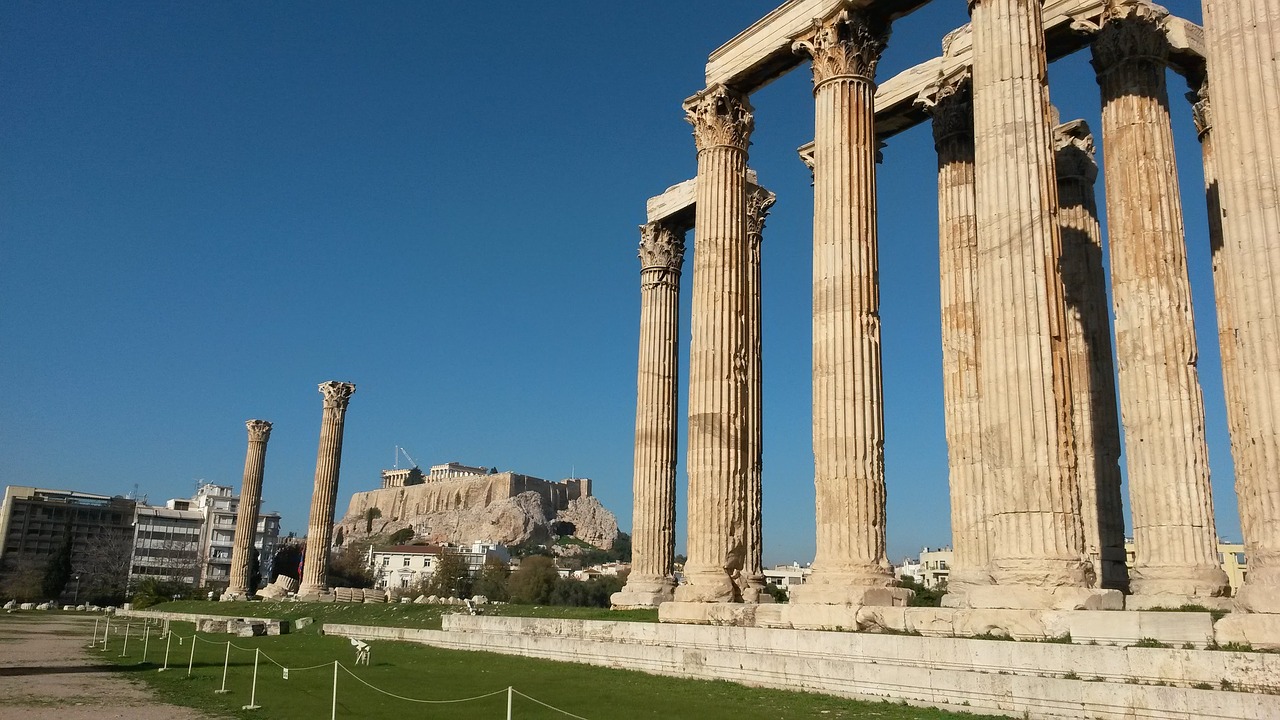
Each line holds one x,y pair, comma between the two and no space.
851,567
1243,39
952,114
1093,386
718,354
1161,404
759,201
315,568
247,515
1037,547
652,581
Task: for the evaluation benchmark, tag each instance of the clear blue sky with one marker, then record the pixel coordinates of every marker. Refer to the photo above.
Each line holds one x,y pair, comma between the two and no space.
209,208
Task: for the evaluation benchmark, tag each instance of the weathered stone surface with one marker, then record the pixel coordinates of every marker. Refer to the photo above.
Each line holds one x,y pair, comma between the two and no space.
315,569
591,521
1261,632
1064,597
247,516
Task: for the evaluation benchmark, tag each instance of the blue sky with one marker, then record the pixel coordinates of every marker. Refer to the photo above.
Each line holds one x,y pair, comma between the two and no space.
210,208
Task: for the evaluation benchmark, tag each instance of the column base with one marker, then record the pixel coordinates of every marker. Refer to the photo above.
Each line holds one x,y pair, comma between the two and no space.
1258,599
852,595
1205,581
644,593
235,596
1031,597
707,587
1172,601
708,613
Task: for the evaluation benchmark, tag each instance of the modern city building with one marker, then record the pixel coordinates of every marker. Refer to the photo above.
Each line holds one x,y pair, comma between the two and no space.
400,567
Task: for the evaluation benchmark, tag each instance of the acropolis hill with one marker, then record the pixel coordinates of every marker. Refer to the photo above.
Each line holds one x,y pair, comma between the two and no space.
458,503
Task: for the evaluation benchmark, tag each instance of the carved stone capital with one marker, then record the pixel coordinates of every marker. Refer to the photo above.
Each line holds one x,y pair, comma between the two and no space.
661,246
1132,31
721,118
759,201
1074,151
259,430
846,45
337,394
1201,109
952,111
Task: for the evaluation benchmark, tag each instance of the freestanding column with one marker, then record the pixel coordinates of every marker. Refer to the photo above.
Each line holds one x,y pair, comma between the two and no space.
1160,400
851,566
1243,39
717,462
1093,385
759,201
958,259
1037,550
654,481
315,568
247,514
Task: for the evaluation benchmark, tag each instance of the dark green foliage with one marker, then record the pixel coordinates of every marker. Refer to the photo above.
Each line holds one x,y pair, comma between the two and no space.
57,572
153,591
286,561
777,592
450,578
492,582
401,537
348,567
370,515
255,571
534,581
924,597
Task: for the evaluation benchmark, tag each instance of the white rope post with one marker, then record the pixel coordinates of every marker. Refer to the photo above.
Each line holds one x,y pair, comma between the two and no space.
333,711
168,641
125,650
146,643
226,660
508,702
192,660
253,694
106,630
166,627
95,633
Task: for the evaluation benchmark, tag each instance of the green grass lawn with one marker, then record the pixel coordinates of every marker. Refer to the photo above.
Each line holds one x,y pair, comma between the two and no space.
425,673
392,615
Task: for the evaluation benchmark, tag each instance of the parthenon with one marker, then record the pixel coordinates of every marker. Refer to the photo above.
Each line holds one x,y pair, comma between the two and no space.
1032,371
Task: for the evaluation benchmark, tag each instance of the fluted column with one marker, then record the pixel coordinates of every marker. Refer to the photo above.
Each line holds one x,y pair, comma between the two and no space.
759,201
851,566
1093,386
1037,551
247,515
718,355
1243,40
1161,404
315,567
961,400
652,581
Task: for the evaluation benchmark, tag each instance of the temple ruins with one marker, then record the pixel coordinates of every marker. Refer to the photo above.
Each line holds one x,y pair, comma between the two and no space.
1032,371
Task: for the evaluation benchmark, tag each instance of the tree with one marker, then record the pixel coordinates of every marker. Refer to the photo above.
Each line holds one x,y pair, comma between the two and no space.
492,582
57,572
924,597
287,558
534,581
349,568
370,515
451,577
21,578
103,567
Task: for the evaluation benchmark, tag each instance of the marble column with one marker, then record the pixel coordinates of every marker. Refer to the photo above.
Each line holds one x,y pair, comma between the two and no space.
1243,40
952,114
1161,404
247,514
718,353
759,201
652,581
1037,543
1093,385
315,567
851,566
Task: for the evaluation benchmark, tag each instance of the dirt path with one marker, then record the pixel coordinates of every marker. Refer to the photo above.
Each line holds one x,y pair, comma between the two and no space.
47,673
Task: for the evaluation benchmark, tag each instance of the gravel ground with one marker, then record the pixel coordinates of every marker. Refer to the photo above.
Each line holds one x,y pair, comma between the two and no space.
48,673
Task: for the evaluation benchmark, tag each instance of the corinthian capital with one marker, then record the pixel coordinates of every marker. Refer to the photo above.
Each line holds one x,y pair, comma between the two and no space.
759,201
1074,151
259,430
952,110
847,44
720,117
1132,30
337,394
661,246
1201,109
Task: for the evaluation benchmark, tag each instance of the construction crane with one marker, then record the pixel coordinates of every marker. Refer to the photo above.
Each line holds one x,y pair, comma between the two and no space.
395,464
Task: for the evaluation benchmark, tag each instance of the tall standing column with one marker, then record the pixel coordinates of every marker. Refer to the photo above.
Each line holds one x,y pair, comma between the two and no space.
851,566
1093,385
247,515
1243,40
717,462
1037,551
652,581
315,567
958,259
1160,399
759,201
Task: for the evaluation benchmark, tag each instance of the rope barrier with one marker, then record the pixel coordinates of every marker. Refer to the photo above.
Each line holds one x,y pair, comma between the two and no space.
416,700
549,707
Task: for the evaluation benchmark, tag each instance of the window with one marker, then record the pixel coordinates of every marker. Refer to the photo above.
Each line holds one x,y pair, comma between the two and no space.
386,561
406,561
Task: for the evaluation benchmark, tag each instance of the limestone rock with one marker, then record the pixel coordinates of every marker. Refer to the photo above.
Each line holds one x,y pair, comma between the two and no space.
591,522
27,606
11,605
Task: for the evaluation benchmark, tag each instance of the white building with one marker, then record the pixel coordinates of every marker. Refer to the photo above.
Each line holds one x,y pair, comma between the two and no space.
786,576
931,570
217,505
401,567
166,544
